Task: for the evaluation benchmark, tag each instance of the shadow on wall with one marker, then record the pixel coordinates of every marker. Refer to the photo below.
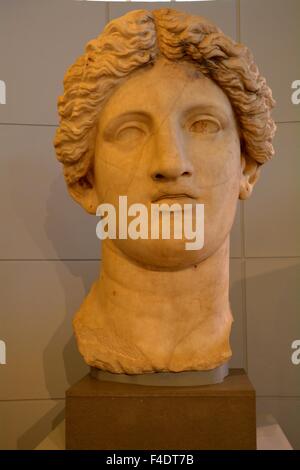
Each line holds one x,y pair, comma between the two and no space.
70,230
86,272
33,436
63,365
66,231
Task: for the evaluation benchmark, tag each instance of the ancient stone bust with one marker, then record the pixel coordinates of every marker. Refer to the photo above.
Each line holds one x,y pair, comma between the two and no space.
162,106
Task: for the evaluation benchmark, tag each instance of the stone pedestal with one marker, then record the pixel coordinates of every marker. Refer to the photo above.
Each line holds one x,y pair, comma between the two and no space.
110,415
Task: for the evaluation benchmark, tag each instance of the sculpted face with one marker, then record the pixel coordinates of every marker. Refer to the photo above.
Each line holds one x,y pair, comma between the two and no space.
168,134
165,109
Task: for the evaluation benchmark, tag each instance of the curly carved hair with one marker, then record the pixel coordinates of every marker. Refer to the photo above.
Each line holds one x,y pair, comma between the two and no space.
138,39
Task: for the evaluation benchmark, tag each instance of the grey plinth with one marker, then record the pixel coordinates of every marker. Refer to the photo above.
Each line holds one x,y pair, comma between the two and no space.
169,379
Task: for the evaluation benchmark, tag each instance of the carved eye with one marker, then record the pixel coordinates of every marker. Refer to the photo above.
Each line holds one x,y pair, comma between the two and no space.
204,126
129,134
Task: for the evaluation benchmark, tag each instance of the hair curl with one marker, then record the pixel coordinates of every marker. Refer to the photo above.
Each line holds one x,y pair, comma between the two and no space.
138,39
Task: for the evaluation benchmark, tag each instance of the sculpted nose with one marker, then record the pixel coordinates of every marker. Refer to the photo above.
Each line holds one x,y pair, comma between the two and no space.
170,161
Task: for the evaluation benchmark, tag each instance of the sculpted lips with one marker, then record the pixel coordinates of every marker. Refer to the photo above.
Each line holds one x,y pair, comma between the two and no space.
176,196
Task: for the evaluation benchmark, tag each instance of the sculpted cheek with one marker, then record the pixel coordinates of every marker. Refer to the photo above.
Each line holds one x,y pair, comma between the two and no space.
216,165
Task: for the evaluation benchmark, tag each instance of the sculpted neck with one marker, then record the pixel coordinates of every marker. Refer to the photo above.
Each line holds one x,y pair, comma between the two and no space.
165,294
149,320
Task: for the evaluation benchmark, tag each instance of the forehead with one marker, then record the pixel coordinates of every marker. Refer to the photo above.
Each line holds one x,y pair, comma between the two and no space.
166,87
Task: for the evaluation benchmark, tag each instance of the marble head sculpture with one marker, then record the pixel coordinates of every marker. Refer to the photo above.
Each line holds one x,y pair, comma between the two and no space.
162,106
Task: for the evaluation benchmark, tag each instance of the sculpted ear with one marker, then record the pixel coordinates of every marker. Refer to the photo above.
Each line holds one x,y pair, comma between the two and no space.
83,192
250,171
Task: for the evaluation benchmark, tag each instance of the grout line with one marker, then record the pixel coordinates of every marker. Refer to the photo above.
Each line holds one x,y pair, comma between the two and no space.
30,399
26,124
107,12
279,396
53,259
287,122
244,307
269,257
243,231
238,20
